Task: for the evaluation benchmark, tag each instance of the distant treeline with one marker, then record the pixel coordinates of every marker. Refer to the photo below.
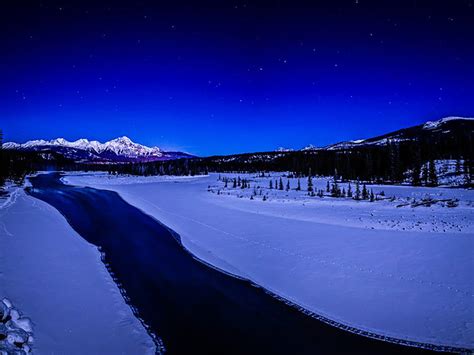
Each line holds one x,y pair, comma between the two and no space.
394,162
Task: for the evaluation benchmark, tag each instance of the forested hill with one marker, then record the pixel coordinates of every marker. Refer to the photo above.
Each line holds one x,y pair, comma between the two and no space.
416,155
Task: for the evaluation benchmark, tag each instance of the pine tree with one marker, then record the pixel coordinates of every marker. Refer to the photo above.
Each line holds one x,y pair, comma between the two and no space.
225,183
239,182
467,170
372,196
349,191
280,186
288,185
458,167
432,176
424,174
235,183
310,183
328,189
270,185
343,192
365,193
335,190
298,187
415,176
357,191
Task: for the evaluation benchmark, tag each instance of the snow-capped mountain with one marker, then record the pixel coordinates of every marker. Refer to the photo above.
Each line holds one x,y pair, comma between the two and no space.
283,149
441,126
310,147
121,149
448,134
442,121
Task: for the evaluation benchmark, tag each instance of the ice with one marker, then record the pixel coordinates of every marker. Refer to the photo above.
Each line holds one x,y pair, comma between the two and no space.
17,336
4,311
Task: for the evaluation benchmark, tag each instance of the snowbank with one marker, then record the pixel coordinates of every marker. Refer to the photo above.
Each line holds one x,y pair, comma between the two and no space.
356,269
56,278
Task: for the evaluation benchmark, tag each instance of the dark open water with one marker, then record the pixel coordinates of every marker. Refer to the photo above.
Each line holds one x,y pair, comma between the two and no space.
191,307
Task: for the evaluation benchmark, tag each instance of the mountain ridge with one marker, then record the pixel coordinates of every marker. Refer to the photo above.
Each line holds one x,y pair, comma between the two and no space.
382,139
121,149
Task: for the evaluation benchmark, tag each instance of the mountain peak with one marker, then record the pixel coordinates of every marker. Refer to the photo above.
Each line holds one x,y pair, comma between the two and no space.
310,147
120,149
436,124
122,140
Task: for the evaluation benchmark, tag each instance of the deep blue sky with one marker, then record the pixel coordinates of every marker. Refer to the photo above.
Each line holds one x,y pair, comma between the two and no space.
230,76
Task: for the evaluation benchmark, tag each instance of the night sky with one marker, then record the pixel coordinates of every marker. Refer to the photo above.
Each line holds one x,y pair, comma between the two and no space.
232,76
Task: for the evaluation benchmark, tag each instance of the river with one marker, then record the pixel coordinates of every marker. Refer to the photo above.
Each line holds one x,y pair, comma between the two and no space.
189,305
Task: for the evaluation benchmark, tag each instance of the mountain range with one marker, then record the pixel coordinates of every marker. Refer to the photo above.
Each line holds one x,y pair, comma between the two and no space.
446,131
442,126
119,150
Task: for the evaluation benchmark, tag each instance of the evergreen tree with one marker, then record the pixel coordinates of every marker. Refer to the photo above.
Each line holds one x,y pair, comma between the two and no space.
458,167
432,176
349,190
467,170
270,185
357,191
288,185
415,176
310,183
239,182
365,193
335,190
225,183
425,174
298,187
372,196
343,192
328,189
280,186
235,183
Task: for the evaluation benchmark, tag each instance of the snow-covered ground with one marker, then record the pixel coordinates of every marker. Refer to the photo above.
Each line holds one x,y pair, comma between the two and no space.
399,271
58,281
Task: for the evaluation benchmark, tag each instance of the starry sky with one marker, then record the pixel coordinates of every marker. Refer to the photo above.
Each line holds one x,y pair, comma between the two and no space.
222,77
